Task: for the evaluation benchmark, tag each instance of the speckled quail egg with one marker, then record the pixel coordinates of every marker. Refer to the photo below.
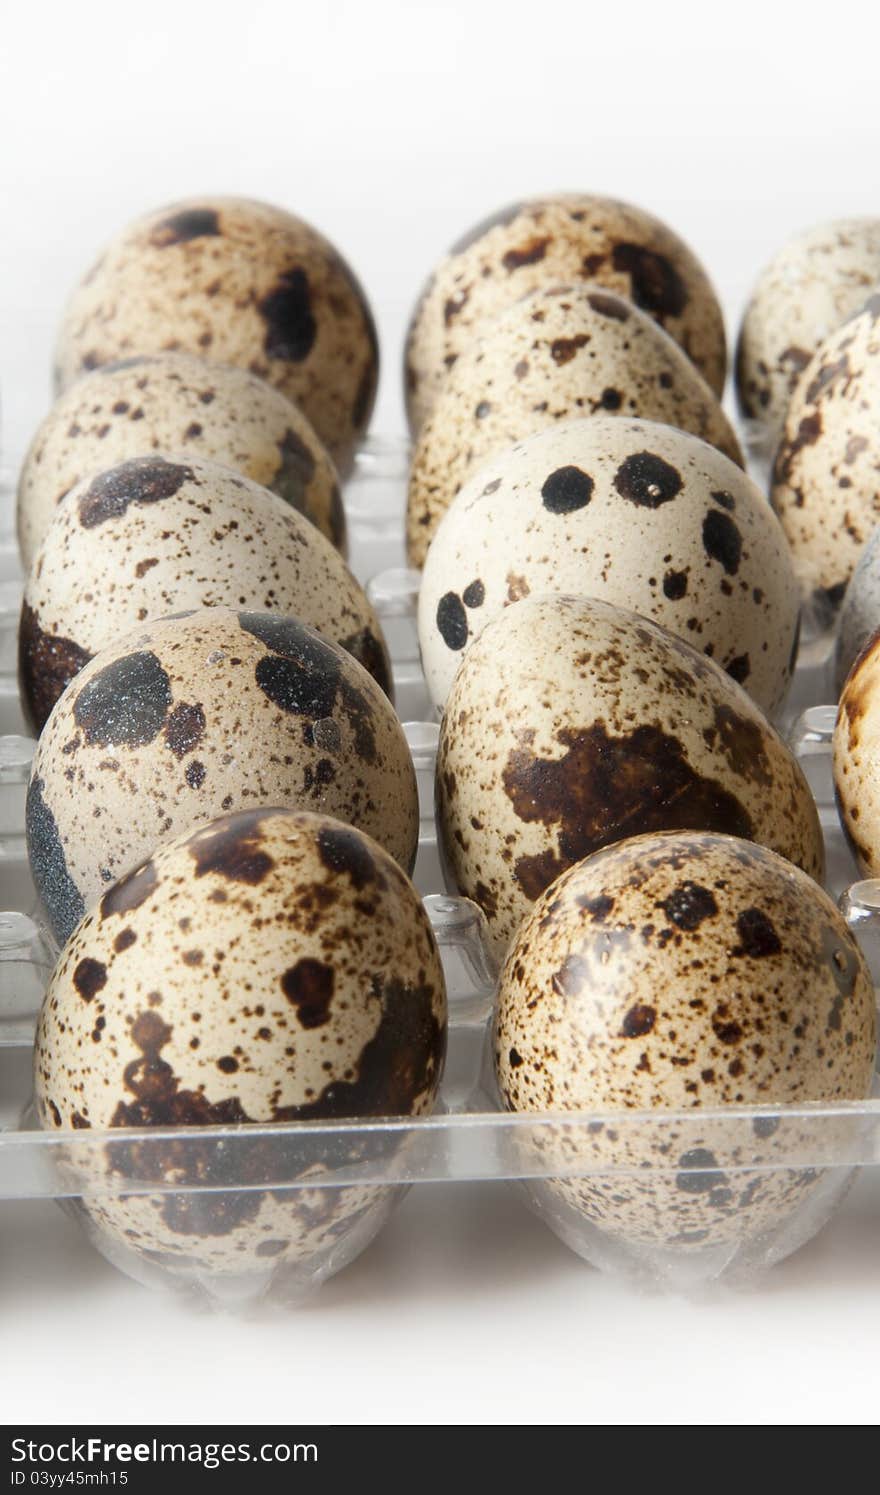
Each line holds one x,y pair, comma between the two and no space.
558,354
572,724
678,971
860,611
813,283
196,715
174,402
273,966
857,758
160,534
637,513
826,484
240,282
553,240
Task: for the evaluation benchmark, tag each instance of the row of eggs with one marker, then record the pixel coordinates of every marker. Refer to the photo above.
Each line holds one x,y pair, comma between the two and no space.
654,735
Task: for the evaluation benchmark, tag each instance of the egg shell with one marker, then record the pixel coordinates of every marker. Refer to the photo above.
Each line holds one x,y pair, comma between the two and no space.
156,535
860,611
815,282
826,487
174,402
678,971
192,717
271,967
242,283
559,354
551,241
856,758
635,513
572,724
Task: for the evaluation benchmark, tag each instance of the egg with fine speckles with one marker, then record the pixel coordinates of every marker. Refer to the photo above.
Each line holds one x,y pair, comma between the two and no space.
826,481
198,715
630,511
271,967
174,402
242,283
572,724
856,758
157,535
555,240
559,354
860,611
817,279
679,971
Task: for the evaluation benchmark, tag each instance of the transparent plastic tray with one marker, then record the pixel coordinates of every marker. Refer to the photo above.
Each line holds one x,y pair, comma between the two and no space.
675,1199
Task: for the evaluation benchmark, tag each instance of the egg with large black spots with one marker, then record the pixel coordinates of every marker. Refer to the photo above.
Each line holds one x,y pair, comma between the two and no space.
272,967
672,972
238,282
559,354
826,489
629,511
156,535
557,240
817,280
175,402
572,724
195,716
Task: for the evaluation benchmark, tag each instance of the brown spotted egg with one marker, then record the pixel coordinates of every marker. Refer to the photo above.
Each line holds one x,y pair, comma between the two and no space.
559,354
241,283
826,483
678,971
637,513
856,758
174,402
813,283
197,715
552,241
271,967
572,724
156,535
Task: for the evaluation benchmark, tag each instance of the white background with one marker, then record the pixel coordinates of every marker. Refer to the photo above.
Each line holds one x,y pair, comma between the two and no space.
393,126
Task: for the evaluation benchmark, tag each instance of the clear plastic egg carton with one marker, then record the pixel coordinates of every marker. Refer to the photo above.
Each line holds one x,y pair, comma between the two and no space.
704,1194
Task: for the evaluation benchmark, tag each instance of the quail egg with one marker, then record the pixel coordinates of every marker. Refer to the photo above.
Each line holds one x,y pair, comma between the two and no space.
677,971
572,724
193,716
558,354
551,241
637,513
156,535
238,282
856,758
825,484
271,967
174,402
812,284
860,612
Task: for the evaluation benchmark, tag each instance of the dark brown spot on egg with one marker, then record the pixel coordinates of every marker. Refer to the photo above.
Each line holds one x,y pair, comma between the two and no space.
655,283
645,479
370,651
60,896
228,1064
184,729
286,310
740,668
308,986
757,935
638,1021
180,228
726,500
743,743
564,349
808,432
195,774
130,891
452,623
232,849
722,540
529,253
143,480
474,594
605,788
697,1179
295,471
345,851
675,585
89,977
125,703
566,490
689,905
46,665
124,940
